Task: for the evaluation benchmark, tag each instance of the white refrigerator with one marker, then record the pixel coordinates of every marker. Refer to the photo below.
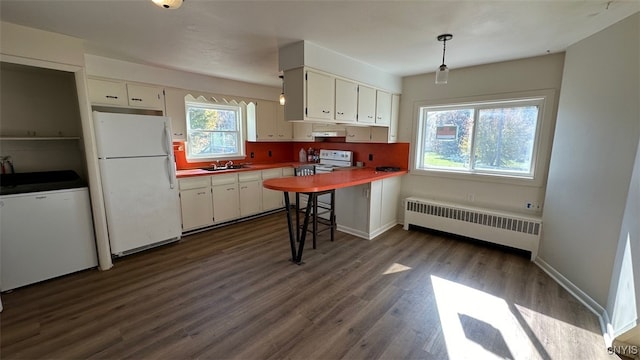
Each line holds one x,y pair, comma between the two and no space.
138,173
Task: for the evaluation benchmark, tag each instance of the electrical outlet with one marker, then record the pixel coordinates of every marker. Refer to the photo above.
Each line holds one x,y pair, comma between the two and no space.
269,153
370,157
252,154
471,197
532,205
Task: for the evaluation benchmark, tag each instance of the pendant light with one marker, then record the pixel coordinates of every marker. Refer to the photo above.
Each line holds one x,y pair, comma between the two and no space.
443,71
282,98
168,4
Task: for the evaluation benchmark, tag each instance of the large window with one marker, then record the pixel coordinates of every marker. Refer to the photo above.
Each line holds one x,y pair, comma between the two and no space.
497,137
214,131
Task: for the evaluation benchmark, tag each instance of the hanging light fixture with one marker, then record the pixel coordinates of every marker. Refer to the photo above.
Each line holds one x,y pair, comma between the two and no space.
443,71
168,4
282,98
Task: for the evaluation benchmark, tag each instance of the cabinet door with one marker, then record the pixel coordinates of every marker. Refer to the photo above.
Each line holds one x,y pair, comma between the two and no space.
226,203
197,208
384,134
358,134
107,92
393,125
271,199
346,100
174,99
320,96
383,108
390,199
366,105
284,128
266,120
148,97
250,197
375,206
302,131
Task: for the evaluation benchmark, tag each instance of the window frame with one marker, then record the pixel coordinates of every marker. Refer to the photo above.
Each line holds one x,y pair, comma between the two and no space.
240,121
541,147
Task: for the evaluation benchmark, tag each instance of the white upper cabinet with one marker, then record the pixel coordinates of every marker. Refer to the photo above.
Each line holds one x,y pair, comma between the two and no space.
316,96
107,92
284,129
303,131
388,134
143,96
265,122
320,96
118,93
383,108
366,105
358,134
346,101
174,99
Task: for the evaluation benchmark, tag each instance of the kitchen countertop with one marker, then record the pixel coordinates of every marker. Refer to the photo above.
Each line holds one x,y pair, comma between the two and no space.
329,181
251,167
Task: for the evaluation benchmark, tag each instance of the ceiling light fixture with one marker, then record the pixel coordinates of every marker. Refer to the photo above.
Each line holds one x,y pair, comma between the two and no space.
282,98
442,74
168,4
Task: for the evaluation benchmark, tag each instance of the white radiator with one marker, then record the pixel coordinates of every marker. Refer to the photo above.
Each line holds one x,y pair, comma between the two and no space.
514,230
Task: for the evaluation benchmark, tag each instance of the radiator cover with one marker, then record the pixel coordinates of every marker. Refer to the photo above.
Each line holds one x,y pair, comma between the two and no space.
508,229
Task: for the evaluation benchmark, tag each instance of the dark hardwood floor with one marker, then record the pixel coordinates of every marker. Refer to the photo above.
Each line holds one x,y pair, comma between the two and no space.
232,293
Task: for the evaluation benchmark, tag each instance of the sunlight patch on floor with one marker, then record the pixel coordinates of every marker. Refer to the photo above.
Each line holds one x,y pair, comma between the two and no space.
478,325
396,268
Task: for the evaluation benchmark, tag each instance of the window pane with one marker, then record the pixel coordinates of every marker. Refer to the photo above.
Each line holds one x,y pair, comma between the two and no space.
211,119
447,136
505,138
212,143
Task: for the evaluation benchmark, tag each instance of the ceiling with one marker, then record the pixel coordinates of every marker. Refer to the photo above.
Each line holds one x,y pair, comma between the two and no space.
240,39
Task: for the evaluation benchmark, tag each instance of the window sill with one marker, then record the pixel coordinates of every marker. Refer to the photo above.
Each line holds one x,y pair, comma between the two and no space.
481,177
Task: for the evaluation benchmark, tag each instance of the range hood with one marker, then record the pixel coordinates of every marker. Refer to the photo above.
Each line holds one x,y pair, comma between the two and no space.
329,133
328,130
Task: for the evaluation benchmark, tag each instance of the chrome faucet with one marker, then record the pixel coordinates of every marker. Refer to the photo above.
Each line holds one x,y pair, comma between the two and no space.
229,163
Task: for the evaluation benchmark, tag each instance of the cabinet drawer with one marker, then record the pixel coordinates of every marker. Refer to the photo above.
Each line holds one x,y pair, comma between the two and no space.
223,179
195,183
249,176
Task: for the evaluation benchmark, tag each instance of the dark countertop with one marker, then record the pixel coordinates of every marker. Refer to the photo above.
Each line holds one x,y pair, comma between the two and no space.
29,182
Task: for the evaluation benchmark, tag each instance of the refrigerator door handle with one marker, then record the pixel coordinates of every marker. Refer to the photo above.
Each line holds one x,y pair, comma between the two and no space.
170,167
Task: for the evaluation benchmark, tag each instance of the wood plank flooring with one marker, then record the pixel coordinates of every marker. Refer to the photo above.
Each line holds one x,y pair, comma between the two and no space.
232,293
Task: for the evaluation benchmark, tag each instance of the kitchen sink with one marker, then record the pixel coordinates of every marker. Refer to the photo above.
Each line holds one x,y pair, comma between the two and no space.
229,167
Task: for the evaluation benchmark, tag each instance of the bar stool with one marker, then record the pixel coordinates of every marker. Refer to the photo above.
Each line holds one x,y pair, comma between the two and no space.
316,207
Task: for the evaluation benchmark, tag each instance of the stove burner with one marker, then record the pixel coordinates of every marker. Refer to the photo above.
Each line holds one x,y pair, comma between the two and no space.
387,168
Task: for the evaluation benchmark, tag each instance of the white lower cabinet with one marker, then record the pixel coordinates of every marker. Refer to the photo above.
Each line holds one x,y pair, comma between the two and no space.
370,209
271,199
250,192
196,203
210,200
226,200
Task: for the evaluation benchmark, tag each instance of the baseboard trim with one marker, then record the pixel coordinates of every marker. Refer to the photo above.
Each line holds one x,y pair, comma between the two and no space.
586,300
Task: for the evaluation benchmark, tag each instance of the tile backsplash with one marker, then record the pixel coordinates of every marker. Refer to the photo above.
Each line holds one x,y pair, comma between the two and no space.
370,154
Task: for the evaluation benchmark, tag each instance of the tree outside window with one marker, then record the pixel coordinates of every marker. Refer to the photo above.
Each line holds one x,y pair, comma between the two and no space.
497,137
213,131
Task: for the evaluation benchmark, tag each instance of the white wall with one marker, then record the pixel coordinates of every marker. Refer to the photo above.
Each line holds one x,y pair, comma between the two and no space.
594,151
124,70
544,72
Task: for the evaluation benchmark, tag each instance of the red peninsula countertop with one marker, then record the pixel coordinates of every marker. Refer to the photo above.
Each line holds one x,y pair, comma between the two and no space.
328,181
